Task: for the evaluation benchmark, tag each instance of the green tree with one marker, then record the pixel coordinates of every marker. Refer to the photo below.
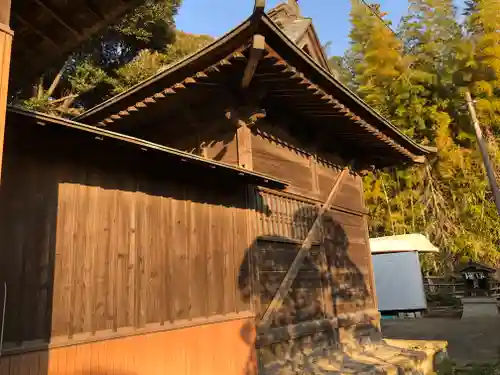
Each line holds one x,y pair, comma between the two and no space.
148,63
432,36
480,70
340,70
383,73
449,199
149,26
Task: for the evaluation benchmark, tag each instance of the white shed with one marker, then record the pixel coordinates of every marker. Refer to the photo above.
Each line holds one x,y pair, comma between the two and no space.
398,278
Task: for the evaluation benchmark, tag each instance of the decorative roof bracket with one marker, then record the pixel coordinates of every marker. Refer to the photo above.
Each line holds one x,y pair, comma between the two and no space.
259,7
256,53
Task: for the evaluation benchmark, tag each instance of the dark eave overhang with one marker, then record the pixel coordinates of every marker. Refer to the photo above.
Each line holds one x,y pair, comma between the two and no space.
181,157
187,67
291,60
46,31
327,81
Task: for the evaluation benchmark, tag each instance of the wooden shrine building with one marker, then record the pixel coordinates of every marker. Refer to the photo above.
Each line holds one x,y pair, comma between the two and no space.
210,220
479,279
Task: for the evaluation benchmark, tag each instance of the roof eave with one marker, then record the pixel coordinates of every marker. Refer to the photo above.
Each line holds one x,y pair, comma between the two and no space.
236,33
260,22
381,121
44,118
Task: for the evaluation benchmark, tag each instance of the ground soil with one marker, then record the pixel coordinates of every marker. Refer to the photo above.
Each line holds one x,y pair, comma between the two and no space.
469,340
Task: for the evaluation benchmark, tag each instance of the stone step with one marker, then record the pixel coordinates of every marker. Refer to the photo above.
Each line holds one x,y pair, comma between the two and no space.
388,357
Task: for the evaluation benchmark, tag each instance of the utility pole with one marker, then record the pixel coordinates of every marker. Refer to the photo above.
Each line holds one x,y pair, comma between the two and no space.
484,151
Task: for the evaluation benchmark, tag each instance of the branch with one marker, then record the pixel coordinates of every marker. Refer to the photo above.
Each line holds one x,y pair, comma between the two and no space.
56,81
74,96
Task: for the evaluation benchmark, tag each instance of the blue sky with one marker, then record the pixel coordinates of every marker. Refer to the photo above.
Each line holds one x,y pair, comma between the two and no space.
330,17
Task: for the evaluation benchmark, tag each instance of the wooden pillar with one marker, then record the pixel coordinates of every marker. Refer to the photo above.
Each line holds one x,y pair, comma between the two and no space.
244,144
242,119
313,165
6,36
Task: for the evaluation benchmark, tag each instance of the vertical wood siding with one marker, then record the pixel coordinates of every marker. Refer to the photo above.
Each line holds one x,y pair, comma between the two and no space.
281,161
334,280
88,251
5,58
214,349
342,239
313,179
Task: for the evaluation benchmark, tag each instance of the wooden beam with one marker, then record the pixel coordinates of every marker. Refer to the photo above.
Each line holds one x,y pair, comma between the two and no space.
313,165
189,81
159,95
238,56
293,271
245,116
259,6
6,36
204,150
57,17
256,52
36,30
5,12
387,140
90,5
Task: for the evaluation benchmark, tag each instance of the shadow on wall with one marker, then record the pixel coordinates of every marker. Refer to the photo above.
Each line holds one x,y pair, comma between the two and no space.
329,283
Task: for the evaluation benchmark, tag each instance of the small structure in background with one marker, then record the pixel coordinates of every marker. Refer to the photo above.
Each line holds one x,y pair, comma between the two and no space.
478,279
398,278
480,290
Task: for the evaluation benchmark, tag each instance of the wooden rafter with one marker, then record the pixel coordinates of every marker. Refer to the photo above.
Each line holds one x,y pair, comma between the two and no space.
330,106
278,79
35,29
200,78
90,5
57,17
256,52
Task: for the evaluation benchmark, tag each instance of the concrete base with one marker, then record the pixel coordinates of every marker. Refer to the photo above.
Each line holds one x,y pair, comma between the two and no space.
474,307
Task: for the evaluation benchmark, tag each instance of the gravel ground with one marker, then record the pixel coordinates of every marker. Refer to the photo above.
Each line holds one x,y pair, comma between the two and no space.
469,340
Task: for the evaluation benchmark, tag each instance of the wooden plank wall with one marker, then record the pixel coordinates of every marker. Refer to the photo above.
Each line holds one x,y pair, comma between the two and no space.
284,162
334,282
6,35
91,253
309,174
215,349
282,218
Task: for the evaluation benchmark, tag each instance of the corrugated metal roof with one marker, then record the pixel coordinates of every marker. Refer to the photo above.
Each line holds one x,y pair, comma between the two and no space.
402,243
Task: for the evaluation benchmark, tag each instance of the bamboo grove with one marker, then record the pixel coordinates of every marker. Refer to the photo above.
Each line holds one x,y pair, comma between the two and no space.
417,78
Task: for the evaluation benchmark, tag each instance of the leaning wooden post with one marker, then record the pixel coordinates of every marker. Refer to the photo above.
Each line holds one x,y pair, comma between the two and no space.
6,35
484,151
293,271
